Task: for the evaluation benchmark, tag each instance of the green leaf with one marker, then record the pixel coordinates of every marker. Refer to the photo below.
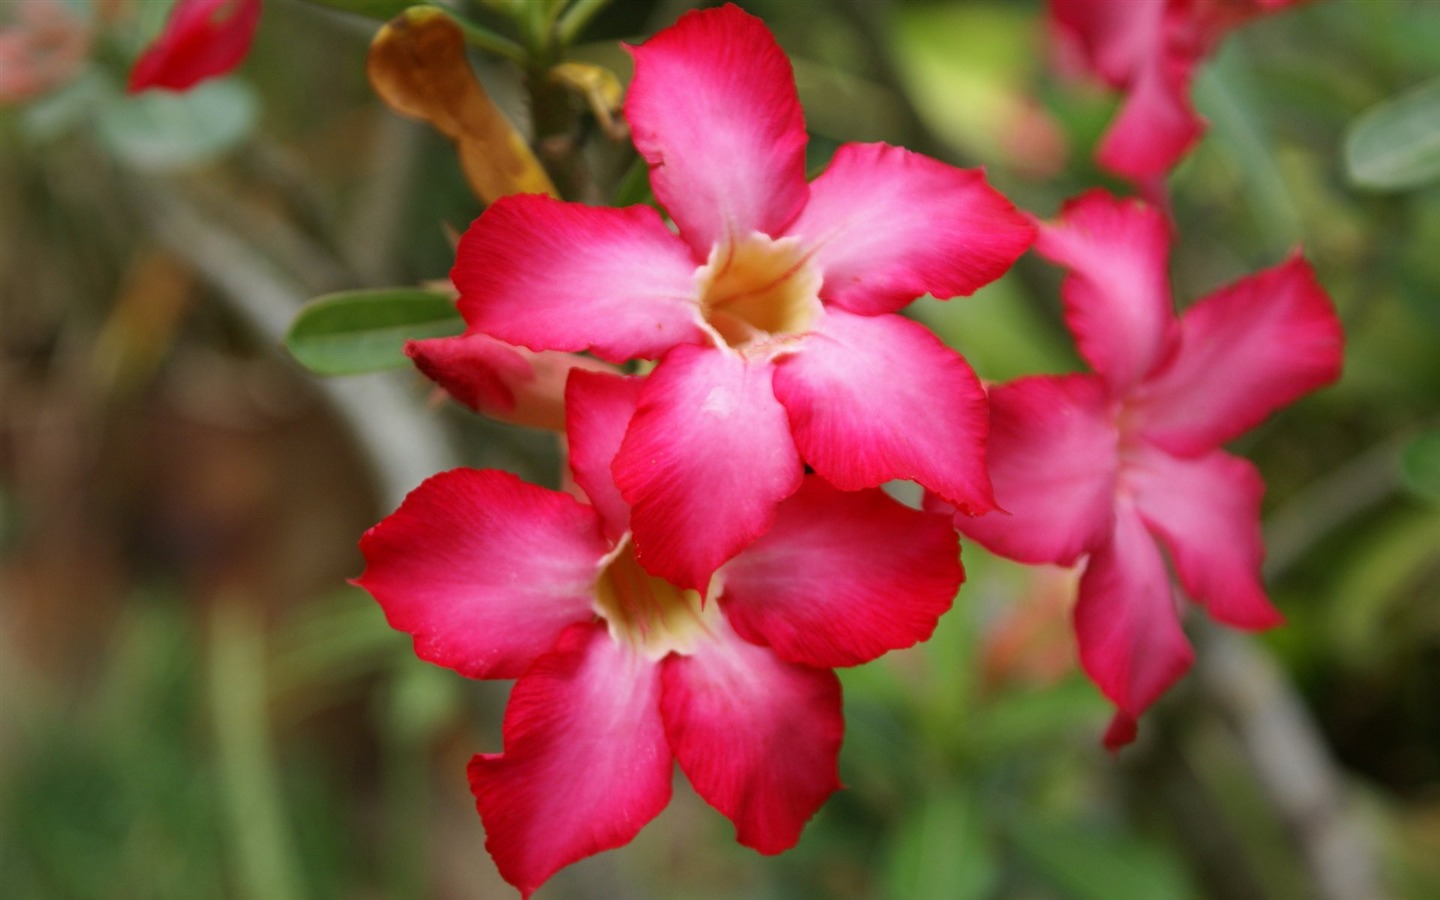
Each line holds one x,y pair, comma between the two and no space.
1396,145
161,130
363,331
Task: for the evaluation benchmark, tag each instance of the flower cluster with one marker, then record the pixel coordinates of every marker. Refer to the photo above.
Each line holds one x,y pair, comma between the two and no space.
735,384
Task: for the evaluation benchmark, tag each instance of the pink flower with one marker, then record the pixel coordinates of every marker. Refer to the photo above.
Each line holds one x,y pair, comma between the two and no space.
1150,49
1124,462
621,672
201,39
770,310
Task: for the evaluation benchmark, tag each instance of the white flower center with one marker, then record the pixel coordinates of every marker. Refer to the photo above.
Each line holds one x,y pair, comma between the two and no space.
755,289
649,613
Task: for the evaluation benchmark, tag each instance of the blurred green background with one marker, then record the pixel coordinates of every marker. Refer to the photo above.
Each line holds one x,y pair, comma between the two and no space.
194,705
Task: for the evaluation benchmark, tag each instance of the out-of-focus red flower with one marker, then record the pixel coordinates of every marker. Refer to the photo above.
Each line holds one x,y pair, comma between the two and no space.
1149,49
201,39
622,674
1116,465
43,44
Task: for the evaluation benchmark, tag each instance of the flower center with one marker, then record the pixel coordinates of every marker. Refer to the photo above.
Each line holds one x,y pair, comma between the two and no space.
756,288
650,613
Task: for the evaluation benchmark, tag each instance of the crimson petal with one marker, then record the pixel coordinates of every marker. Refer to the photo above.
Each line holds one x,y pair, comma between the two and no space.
598,409
707,457
586,764
201,39
877,398
1127,622
758,737
1245,351
484,570
888,225
714,112
1117,295
550,275
1207,512
843,577
1054,455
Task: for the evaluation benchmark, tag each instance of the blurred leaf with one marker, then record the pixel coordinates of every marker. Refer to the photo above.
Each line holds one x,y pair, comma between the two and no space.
422,700
57,114
160,130
1384,579
363,331
1019,719
417,65
1093,864
1396,145
999,332
1420,465
249,770
945,850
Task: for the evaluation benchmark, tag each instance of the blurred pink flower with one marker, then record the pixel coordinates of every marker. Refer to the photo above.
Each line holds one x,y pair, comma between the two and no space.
1149,49
621,674
1120,463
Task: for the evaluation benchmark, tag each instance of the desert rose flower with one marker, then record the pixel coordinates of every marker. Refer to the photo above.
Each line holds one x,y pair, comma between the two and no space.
770,305
201,39
1116,466
622,673
1150,49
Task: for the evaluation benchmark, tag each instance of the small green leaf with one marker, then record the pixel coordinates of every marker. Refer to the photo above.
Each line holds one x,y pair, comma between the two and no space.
1395,145
160,130
363,331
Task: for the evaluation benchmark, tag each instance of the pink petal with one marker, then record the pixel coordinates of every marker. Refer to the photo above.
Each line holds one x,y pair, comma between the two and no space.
586,764
873,399
1127,623
1207,512
889,225
843,577
598,411
1115,38
1156,125
1245,351
501,380
484,570
550,275
758,737
201,39
1054,455
1117,295
707,457
713,110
